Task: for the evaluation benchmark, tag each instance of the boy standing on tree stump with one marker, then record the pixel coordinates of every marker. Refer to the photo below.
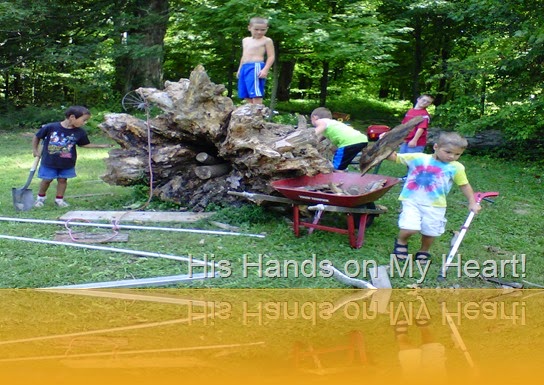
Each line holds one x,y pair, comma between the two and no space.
253,69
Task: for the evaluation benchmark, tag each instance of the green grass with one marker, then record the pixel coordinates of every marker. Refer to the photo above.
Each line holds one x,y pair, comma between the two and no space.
510,226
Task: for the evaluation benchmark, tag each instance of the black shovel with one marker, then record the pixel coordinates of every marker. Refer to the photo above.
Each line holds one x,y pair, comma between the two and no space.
23,199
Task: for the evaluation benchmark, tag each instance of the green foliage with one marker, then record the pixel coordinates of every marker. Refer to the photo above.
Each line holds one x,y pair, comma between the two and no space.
481,58
287,119
497,82
30,117
364,109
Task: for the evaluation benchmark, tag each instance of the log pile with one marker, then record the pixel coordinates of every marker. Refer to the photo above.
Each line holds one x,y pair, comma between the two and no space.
201,145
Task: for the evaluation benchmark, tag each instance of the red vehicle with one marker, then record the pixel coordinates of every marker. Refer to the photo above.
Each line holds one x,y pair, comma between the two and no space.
373,132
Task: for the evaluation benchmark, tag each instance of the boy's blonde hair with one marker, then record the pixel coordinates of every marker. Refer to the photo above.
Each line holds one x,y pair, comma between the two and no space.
322,113
451,138
258,20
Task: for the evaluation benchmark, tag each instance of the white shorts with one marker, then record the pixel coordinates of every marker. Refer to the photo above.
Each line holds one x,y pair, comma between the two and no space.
428,220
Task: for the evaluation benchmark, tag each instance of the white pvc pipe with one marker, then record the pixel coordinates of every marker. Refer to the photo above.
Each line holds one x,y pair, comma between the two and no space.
113,249
130,227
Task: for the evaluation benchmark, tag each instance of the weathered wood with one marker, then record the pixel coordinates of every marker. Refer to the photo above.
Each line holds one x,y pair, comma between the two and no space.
296,139
212,171
371,156
302,124
136,216
199,119
205,158
80,236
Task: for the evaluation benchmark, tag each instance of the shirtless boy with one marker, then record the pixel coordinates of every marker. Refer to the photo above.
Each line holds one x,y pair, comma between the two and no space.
253,69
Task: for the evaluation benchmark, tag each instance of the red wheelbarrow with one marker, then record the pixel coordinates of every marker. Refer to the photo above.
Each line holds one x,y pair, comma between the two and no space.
302,188
356,200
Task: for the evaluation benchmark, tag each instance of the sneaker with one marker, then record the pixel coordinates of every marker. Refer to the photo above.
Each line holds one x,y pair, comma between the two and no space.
61,203
39,203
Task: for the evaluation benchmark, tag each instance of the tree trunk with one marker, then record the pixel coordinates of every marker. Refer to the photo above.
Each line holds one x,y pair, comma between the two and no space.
147,28
275,76
324,83
287,69
418,58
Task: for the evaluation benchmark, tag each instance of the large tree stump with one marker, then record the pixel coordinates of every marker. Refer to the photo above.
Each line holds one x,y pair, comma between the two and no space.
196,118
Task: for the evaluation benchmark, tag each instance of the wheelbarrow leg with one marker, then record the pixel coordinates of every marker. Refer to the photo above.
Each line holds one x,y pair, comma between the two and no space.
296,220
351,231
356,241
361,231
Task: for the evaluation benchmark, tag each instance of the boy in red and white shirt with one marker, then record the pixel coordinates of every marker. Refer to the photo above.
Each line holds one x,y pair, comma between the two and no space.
416,140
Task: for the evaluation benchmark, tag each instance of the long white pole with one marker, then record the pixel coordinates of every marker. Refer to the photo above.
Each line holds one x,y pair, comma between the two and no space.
105,248
129,227
456,245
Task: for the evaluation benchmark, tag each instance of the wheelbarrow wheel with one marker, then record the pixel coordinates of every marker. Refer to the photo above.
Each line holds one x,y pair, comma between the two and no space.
369,217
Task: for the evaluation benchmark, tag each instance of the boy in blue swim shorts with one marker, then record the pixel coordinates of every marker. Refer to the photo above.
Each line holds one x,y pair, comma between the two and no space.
253,68
347,140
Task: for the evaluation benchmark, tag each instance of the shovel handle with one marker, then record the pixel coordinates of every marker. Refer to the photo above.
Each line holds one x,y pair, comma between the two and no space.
35,163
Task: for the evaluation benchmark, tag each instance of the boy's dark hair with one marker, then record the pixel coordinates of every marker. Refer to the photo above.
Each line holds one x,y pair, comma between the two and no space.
77,111
427,95
322,113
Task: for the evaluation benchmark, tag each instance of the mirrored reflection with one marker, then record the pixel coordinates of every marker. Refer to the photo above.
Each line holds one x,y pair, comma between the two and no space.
270,336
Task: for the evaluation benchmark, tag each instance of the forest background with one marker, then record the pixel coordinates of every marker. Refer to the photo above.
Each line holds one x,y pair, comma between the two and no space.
482,59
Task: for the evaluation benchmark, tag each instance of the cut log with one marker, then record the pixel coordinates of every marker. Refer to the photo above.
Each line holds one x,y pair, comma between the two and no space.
212,171
373,155
483,140
205,158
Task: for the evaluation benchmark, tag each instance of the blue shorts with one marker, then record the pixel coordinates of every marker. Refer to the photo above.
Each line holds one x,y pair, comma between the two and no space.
249,84
404,149
49,173
344,155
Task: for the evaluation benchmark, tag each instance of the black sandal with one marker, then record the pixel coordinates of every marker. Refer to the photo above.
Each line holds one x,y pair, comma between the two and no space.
400,254
423,257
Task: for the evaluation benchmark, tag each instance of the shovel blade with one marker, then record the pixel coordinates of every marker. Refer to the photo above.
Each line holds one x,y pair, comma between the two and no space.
23,199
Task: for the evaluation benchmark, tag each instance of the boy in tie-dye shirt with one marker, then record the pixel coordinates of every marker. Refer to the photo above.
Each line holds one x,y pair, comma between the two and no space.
423,196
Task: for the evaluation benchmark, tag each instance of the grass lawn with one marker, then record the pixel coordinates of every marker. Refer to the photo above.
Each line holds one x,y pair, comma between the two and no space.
509,227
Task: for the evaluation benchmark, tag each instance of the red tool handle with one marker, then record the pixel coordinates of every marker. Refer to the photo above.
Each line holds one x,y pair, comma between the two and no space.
480,196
